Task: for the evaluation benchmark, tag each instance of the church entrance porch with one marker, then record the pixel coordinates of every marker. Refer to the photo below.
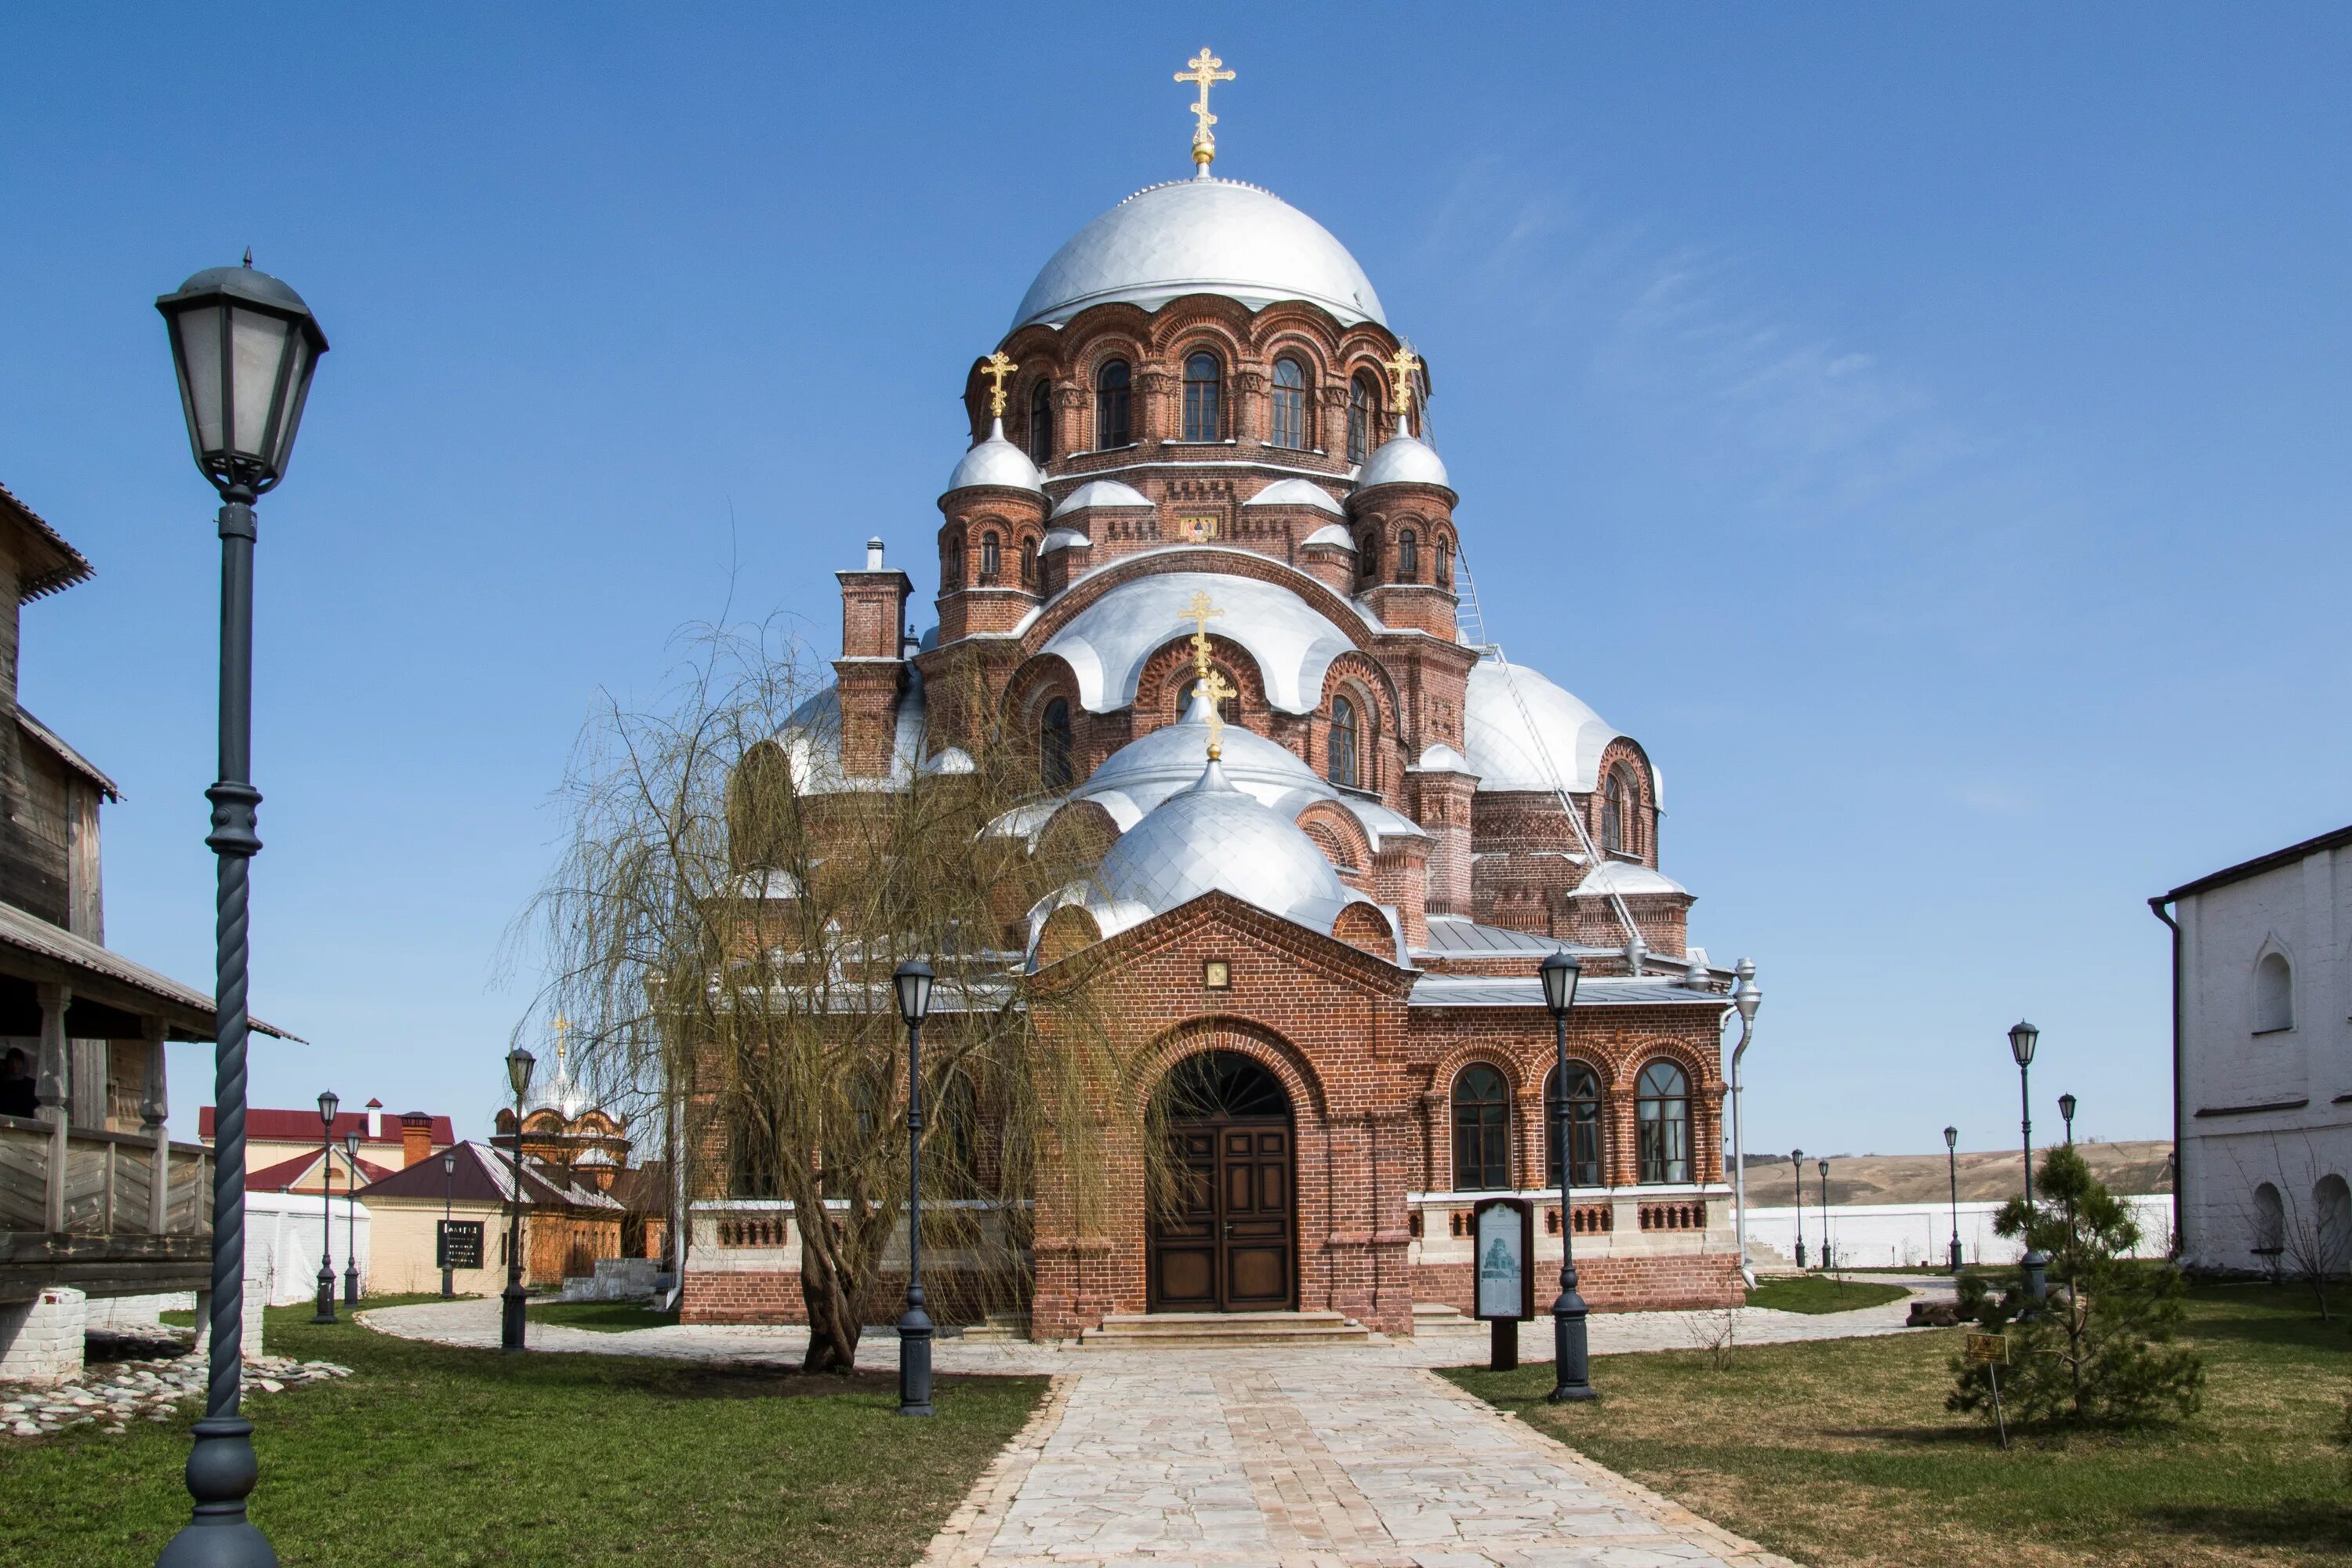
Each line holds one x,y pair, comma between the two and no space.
1223,1223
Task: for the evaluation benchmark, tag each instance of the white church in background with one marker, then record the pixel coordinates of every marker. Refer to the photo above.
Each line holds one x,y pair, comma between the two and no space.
2262,1059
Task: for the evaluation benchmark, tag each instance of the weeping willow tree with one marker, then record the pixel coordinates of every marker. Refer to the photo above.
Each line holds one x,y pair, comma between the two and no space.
722,926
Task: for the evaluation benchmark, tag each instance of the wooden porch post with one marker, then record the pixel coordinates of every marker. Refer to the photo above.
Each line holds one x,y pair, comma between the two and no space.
154,1106
51,1088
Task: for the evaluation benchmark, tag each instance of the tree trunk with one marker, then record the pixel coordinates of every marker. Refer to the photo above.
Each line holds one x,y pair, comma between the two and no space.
832,1314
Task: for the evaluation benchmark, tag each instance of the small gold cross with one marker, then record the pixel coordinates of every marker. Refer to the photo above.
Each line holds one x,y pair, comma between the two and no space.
1206,67
562,1029
996,367
1212,687
1402,367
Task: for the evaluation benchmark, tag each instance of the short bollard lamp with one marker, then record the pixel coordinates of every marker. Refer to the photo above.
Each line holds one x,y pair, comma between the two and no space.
243,346
510,1316
914,980
1952,1163
2022,1037
326,1312
1571,1364
351,1222
448,1193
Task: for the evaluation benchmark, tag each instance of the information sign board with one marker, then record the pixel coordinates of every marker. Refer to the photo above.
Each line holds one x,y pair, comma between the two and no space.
1504,1230
1987,1350
459,1244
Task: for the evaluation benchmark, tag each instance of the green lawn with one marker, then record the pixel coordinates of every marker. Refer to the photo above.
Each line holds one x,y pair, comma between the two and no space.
605,1317
1821,1293
433,1455
1840,1455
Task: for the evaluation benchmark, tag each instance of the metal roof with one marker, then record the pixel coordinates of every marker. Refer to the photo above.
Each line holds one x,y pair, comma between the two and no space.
1595,990
2260,864
1504,750
30,933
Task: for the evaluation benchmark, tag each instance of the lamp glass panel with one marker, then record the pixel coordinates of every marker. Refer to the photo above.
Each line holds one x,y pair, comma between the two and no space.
199,340
256,343
298,393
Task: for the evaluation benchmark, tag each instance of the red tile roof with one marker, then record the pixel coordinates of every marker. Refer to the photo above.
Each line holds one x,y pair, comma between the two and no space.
287,1174
302,1126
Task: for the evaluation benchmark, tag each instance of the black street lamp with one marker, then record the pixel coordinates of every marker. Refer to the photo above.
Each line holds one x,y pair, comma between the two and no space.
1828,1256
326,1312
2066,1103
242,348
2022,1037
1571,1361
1797,1163
510,1316
352,1223
1746,996
914,980
1952,1159
448,1190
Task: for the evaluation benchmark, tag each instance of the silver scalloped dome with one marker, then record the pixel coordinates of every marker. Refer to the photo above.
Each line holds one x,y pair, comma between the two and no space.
1200,236
1213,837
998,463
1403,460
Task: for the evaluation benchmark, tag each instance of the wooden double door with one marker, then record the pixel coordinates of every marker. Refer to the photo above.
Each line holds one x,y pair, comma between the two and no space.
1227,1242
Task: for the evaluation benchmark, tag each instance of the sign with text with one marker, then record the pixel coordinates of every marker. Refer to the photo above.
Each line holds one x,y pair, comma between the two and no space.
1503,1231
1987,1350
460,1244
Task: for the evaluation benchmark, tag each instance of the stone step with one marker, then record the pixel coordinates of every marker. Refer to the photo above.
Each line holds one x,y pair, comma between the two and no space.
1442,1318
1223,1330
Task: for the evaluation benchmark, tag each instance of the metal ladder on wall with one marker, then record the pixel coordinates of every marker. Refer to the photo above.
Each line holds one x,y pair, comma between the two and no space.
1473,627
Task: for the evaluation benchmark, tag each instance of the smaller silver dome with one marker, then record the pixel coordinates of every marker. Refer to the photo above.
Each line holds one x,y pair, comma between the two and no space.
1330,534
997,463
1101,492
1403,460
1214,837
1063,539
1296,492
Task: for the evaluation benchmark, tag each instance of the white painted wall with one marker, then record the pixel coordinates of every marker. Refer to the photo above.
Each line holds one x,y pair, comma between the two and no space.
281,1242
2230,1067
1900,1236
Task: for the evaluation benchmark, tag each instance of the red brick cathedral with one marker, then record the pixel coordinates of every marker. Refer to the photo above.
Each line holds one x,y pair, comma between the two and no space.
1203,555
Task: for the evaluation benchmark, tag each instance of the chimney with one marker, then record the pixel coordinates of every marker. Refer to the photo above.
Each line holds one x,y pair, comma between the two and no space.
874,553
375,1120
416,1138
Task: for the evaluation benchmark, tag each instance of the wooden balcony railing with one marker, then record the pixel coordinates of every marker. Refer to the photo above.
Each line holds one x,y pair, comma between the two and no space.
106,1184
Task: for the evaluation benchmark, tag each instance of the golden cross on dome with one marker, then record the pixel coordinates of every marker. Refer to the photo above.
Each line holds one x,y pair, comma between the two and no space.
563,1028
1206,67
1212,686
1402,367
1201,612
996,367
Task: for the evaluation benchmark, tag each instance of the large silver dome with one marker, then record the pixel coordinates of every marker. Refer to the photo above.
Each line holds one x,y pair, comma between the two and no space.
1200,236
1214,836
1560,749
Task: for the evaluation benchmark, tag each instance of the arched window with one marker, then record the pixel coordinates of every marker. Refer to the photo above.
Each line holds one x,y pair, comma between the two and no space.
2332,1200
1617,813
1203,417
1345,745
1442,548
1289,403
1408,556
991,556
1368,556
2270,1222
951,563
1028,562
1041,422
1663,1103
1583,1125
2273,994
1111,405
1482,1131
1054,745
1362,398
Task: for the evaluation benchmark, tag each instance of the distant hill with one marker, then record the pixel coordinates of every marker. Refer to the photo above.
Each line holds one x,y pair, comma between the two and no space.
1989,1176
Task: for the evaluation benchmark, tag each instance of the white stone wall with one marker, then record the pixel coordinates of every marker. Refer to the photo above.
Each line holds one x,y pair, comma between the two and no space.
1903,1236
2266,1105
41,1339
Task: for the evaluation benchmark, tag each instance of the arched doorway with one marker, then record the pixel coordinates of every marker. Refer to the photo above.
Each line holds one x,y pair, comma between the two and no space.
1223,1234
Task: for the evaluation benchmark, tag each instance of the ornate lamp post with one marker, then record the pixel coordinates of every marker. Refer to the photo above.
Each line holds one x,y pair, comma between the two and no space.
242,348
326,1312
1747,997
1952,1163
448,1190
914,980
1797,1164
352,1223
2022,1037
1571,1366
510,1319
1828,1256
2066,1103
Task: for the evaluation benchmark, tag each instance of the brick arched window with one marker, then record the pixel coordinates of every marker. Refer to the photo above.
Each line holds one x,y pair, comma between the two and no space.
1442,548
992,557
1289,403
1041,422
1481,1130
1663,1103
952,566
1346,747
1028,562
1204,381
1362,398
1111,393
1619,813
1408,557
1583,1125
1054,770
1368,556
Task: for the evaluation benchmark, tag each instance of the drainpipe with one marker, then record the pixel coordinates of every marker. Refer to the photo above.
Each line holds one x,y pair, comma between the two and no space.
2179,1155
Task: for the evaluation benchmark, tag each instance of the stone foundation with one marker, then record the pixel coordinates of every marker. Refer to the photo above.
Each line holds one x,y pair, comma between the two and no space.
41,1339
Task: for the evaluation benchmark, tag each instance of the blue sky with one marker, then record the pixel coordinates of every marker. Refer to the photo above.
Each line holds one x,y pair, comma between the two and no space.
1923,428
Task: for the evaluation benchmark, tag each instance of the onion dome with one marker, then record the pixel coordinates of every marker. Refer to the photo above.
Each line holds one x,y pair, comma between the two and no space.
997,463
1296,492
1200,236
1101,492
1540,739
1403,459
